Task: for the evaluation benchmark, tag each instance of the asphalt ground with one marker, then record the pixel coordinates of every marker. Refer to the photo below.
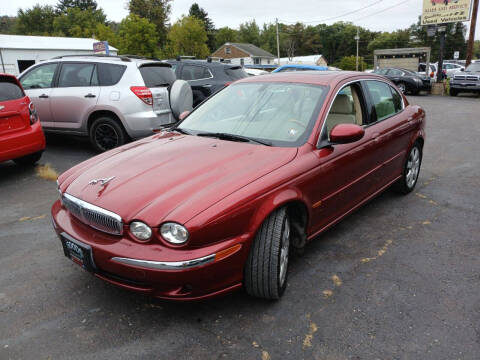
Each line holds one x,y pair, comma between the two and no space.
398,279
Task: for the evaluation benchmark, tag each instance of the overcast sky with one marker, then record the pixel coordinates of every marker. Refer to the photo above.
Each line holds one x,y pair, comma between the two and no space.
232,13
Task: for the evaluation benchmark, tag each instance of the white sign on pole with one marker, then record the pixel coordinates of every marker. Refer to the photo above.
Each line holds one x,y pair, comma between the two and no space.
456,55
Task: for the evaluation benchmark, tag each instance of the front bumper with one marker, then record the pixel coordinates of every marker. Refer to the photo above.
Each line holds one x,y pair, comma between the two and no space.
155,269
465,86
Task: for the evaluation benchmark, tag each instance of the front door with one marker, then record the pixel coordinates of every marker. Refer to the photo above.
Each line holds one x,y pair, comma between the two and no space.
76,94
38,84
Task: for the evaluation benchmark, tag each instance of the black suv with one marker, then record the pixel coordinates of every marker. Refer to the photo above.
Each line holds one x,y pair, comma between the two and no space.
466,81
206,76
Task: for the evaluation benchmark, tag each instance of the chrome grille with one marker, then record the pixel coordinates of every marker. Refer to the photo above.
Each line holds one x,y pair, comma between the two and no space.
466,77
92,215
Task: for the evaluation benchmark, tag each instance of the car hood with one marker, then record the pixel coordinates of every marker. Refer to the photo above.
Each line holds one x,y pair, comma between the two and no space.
172,177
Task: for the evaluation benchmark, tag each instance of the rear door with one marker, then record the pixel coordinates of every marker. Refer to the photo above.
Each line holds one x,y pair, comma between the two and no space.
38,84
158,77
14,113
76,94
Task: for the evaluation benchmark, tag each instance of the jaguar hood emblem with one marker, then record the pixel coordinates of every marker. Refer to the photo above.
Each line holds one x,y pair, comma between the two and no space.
102,182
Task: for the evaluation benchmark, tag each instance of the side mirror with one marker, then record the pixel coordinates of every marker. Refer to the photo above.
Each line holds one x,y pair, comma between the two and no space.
183,115
462,69
346,133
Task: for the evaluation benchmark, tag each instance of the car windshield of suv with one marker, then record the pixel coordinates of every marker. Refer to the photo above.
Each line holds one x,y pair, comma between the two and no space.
475,67
277,114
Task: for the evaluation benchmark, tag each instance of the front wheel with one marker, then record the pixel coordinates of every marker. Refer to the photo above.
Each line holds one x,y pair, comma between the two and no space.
402,87
267,264
453,92
411,170
106,133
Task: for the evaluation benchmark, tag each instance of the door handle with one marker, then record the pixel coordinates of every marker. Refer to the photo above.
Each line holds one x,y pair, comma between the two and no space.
43,96
90,95
207,85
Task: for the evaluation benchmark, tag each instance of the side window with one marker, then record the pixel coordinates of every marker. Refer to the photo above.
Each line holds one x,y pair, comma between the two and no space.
382,98
346,108
397,100
39,78
73,75
109,74
9,90
395,72
192,72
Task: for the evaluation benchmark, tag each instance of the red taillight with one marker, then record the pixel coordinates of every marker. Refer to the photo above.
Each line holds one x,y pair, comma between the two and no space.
143,94
33,113
432,74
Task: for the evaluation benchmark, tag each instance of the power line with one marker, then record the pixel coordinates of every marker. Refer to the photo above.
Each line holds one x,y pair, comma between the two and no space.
381,11
336,17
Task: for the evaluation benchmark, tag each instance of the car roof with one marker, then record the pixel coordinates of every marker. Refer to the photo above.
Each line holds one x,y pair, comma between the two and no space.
123,59
202,62
311,77
303,66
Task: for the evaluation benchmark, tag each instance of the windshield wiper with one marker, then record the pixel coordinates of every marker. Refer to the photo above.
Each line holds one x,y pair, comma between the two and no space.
232,137
179,130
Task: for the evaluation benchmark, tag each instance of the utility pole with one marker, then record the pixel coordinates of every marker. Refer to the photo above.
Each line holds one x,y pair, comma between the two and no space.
358,39
471,39
441,29
278,43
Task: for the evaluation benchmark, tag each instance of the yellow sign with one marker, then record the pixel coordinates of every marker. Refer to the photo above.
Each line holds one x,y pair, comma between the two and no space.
445,11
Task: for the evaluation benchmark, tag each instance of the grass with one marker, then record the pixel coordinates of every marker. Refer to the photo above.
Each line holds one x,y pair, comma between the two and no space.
46,172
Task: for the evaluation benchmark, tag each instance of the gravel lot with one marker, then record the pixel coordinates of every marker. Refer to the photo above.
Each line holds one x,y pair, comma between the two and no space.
399,279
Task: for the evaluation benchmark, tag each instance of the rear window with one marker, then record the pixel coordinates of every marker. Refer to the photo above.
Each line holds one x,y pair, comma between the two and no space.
155,75
236,73
110,74
9,90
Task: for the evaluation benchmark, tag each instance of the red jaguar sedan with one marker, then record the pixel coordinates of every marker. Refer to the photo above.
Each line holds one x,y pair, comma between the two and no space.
21,135
220,200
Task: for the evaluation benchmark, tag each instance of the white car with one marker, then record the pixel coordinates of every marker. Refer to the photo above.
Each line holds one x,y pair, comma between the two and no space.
256,72
452,68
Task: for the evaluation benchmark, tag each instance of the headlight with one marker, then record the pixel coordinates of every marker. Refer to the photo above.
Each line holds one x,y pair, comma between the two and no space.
174,233
140,230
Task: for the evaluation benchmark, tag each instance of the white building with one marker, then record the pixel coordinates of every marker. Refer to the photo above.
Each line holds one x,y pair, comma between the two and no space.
304,60
18,52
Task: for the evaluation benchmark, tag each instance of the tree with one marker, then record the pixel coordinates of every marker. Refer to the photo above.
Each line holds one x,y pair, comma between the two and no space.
249,33
156,11
476,49
224,35
137,36
63,5
349,63
35,21
393,40
202,15
188,37
7,24
78,23
106,33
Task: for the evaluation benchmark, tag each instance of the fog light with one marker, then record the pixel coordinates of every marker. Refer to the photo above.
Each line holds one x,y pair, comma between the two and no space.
141,231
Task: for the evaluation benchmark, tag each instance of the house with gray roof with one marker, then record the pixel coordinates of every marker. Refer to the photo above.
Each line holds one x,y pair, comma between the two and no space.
244,54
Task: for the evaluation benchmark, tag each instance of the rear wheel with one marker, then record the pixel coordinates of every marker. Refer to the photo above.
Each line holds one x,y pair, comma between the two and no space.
267,263
411,170
29,159
106,133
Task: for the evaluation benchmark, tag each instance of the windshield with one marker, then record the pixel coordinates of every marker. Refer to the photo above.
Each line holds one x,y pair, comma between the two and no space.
282,114
475,67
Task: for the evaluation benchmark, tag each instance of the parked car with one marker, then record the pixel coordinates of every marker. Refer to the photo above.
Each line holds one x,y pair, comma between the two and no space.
221,199
452,69
256,72
299,67
110,99
433,71
206,77
406,80
21,135
466,81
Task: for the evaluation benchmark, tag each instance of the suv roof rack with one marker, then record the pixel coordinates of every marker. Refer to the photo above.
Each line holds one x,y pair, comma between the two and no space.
121,57
140,57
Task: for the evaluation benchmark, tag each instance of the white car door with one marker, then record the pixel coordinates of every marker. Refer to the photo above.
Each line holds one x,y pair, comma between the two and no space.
38,84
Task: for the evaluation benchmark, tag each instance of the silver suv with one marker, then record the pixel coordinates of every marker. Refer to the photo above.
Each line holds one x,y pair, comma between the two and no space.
110,99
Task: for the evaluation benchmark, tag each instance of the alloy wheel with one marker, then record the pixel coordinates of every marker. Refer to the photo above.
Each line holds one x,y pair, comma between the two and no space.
285,246
413,167
106,136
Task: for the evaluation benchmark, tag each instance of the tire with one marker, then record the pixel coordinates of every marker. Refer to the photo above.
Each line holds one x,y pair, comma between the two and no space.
402,87
106,133
411,170
28,160
267,264
453,92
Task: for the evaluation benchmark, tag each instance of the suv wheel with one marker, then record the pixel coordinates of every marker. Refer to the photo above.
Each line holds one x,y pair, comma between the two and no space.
106,133
453,92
